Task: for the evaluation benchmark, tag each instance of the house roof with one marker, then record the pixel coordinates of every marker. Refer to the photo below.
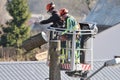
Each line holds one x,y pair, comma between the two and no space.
27,70
36,70
107,73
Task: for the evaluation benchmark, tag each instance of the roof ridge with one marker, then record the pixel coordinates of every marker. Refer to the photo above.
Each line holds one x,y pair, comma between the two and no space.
23,62
99,60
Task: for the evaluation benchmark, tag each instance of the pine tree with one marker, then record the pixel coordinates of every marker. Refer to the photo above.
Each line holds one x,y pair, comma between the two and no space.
17,31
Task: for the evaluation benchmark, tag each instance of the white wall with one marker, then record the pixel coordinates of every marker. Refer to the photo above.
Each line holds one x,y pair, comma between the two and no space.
107,43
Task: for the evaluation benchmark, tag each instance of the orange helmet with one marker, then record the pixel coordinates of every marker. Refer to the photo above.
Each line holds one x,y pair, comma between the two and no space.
63,11
50,6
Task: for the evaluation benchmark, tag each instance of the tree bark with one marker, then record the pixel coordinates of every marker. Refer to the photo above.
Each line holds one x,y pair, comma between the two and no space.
35,41
54,51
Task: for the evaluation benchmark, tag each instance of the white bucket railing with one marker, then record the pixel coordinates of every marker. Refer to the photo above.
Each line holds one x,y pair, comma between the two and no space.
81,32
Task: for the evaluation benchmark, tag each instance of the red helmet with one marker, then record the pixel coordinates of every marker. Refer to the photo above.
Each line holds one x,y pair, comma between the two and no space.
63,11
50,6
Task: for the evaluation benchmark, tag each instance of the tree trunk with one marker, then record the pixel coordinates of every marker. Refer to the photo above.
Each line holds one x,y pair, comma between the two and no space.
54,51
35,41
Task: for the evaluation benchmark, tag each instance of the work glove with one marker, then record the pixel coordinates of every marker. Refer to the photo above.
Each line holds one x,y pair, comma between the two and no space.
36,23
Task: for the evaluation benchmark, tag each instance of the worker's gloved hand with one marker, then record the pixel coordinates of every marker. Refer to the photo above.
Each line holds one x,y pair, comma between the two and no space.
63,37
37,23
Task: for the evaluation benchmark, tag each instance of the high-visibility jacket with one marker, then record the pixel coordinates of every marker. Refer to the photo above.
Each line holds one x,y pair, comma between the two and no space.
70,25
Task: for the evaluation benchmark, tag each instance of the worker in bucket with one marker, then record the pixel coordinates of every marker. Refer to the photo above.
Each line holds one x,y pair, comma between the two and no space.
54,18
70,26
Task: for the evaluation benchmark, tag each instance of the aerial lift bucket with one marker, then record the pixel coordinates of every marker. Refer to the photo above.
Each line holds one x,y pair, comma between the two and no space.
77,66
70,55
35,41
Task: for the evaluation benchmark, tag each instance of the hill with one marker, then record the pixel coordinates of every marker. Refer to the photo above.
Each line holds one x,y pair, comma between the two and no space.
77,8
